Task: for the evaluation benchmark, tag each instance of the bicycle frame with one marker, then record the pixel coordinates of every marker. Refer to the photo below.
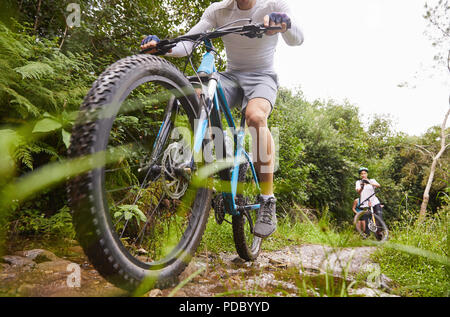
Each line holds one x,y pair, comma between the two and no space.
213,103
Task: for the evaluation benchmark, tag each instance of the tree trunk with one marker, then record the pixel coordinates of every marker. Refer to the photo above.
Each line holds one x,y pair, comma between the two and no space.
426,193
64,37
36,21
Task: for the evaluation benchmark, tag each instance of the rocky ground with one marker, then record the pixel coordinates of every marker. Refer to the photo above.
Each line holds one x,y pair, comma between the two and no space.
307,270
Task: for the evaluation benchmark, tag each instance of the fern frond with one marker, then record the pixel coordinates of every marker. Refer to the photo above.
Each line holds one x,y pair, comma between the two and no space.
34,70
23,154
25,107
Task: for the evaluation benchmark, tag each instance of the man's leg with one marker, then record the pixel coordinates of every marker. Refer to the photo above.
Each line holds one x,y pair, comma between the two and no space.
256,114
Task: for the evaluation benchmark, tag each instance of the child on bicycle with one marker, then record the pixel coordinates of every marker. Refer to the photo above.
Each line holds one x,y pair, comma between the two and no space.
361,224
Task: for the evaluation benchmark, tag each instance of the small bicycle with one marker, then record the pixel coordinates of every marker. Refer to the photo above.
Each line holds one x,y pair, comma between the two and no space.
373,223
140,217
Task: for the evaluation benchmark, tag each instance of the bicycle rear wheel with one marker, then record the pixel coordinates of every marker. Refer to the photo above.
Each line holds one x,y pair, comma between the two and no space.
137,217
248,246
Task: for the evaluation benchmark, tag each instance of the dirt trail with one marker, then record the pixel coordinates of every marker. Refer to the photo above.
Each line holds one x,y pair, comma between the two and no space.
307,270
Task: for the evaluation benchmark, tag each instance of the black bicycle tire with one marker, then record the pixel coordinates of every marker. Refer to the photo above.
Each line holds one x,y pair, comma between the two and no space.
244,250
91,220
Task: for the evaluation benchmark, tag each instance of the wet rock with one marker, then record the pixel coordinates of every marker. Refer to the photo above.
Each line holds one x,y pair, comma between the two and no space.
155,293
38,255
262,281
76,249
337,261
368,292
191,269
57,266
7,276
18,261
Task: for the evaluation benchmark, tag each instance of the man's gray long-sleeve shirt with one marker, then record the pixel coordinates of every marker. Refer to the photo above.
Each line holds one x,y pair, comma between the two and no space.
243,53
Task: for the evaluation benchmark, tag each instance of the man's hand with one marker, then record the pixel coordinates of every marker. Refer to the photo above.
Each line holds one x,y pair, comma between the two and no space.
277,19
150,42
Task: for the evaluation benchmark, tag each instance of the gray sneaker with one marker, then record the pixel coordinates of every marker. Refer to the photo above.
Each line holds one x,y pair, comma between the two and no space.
267,220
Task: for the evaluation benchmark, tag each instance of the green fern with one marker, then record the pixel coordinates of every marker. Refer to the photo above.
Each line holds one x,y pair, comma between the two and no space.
34,70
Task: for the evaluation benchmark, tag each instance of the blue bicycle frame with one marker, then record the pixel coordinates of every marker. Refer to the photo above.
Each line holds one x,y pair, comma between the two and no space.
215,103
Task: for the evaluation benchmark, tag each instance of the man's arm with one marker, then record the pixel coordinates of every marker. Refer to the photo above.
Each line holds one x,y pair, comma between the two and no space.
294,35
374,183
359,187
184,48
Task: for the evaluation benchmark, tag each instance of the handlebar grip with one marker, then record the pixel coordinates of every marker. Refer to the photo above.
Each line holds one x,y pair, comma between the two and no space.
162,48
270,28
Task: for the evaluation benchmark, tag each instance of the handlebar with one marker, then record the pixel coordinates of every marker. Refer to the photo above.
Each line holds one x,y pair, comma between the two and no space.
249,30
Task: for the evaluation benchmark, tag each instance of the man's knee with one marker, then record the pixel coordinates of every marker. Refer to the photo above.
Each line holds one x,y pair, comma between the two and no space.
256,119
257,112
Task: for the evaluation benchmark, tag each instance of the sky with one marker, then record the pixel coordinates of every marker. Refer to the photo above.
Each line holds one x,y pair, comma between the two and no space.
361,51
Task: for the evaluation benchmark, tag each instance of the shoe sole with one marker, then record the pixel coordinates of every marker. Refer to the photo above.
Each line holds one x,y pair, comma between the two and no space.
263,236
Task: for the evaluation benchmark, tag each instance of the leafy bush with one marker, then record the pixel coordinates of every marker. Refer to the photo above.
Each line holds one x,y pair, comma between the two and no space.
33,222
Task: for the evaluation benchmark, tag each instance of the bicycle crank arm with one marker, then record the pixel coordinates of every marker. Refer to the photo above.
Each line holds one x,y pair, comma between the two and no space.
248,207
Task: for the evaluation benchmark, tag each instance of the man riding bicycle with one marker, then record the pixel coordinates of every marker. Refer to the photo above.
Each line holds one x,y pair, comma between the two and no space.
249,80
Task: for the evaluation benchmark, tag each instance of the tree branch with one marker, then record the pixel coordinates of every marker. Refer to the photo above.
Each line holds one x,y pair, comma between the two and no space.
424,149
36,21
426,193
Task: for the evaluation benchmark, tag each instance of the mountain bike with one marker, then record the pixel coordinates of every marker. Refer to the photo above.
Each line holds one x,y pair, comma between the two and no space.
140,217
373,222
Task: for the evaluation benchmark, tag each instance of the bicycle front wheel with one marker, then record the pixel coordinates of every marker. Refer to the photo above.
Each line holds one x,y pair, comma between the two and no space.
373,224
137,217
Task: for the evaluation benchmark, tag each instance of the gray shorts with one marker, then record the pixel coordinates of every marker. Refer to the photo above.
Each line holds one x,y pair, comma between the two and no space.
240,87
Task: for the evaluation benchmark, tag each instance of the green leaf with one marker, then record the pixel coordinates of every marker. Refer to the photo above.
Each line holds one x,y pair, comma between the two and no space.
117,214
128,215
65,137
141,215
46,125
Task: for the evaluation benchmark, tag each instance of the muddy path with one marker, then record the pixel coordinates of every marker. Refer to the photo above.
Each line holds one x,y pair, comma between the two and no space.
306,270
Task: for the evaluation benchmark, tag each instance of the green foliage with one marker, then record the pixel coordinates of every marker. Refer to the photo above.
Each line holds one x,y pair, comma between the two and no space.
322,144
217,238
418,275
33,222
130,211
38,82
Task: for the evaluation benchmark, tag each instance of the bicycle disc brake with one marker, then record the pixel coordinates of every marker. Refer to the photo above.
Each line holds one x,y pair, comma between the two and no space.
174,178
372,226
